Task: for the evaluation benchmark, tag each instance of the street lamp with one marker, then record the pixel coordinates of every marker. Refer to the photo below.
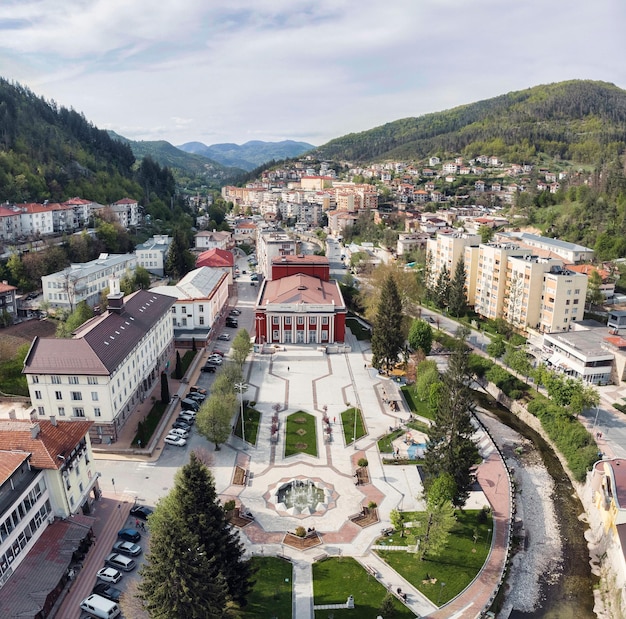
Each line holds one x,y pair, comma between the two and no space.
443,584
241,387
259,337
354,439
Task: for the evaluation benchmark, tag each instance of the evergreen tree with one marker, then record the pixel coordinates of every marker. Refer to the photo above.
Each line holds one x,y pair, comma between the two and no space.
195,565
442,288
193,344
450,446
457,299
179,259
165,389
178,370
387,328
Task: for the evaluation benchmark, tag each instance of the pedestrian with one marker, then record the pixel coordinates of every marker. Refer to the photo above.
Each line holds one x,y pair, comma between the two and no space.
136,523
334,420
287,368
365,366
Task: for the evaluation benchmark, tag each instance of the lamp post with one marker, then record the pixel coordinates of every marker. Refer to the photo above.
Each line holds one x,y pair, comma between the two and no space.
443,584
241,387
355,413
259,337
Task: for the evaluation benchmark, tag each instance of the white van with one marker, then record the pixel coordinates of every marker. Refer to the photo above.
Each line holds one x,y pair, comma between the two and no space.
100,607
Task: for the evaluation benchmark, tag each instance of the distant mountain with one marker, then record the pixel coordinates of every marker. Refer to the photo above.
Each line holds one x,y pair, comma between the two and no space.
249,155
583,121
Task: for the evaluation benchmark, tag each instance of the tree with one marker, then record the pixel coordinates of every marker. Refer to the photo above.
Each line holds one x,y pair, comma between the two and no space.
215,415
517,360
594,293
178,370
486,233
387,607
179,259
195,565
457,298
442,288
450,447
165,389
397,521
241,347
421,336
497,347
440,520
427,375
442,490
387,331
80,315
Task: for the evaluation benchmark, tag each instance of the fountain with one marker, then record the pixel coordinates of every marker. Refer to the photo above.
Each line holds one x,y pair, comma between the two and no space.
301,496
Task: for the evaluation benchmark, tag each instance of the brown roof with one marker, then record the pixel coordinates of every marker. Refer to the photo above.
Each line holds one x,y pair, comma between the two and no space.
9,463
46,444
300,259
6,287
302,289
102,343
215,258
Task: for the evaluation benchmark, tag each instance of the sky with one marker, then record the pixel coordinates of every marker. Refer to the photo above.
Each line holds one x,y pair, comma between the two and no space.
216,71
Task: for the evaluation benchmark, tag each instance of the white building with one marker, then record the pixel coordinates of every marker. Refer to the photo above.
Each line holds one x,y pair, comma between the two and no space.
85,281
152,254
272,243
107,368
216,239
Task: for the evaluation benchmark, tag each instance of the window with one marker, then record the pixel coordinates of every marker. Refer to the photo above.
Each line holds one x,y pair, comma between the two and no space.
61,411
76,395
577,291
96,412
173,309
35,379
183,309
201,308
312,320
41,411
73,380
94,396
92,380
324,320
201,320
184,322
287,320
38,395
58,395
77,469
275,320
300,320
275,335
56,380
79,412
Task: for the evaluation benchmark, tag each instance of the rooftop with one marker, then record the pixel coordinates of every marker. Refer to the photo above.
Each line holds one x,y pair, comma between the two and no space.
302,289
84,269
197,284
215,258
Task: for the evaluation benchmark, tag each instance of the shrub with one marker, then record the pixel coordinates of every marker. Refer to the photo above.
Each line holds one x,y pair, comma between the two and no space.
362,462
300,532
229,506
372,505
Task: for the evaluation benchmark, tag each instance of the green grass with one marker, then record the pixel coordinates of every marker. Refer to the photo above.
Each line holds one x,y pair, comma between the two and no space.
187,359
271,594
347,422
334,579
12,381
301,434
146,428
385,443
358,330
458,563
252,419
416,405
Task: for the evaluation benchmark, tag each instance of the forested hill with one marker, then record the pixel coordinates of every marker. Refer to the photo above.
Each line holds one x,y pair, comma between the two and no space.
583,121
53,153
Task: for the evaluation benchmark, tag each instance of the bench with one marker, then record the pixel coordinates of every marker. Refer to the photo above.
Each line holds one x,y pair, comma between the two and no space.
372,571
239,477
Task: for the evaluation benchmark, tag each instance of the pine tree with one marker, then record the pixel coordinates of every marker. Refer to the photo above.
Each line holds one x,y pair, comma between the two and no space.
442,288
178,370
450,445
195,565
457,299
179,259
165,389
387,328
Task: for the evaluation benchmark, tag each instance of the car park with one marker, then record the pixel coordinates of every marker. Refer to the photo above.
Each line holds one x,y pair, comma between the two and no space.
109,574
130,535
100,607
208,367
105,590
120,562
224,337
177,441
179,432
141,511
127,548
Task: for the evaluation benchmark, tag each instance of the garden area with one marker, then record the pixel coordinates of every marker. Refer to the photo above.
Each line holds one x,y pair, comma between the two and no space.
358,330
146,428
252,419
348,418
301,434
271,594
443,576
334,579
385,444
417,406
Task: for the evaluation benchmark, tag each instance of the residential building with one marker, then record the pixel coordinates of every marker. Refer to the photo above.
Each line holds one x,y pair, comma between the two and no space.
562,299
85,281
152,254
570,252
8,302
200,298
108,367
218,259
607,287
127,212
207,239
408,242
272,243
316,266
447,249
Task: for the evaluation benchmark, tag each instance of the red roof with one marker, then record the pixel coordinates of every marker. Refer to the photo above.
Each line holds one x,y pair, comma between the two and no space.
6,287
304,289
215,258
126,201
10,461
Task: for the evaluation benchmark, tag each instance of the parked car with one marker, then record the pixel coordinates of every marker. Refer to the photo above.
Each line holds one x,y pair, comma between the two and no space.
189,405
181,424
224,337
100,607
130,535
215,360
190,415
254,277
105,590
209,367
174,439
234,312
198,397
179,432
141,511
196,389
233,324
109,574
120,562
187,420
127,548
219,353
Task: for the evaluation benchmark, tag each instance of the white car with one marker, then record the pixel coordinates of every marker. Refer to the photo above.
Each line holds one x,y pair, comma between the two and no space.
216,359
174,439
224,337
179,432
108,574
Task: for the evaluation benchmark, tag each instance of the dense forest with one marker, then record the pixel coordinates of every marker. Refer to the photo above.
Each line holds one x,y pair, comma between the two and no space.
582,121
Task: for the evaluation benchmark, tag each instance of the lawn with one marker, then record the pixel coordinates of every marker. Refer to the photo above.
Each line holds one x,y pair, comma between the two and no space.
301,434
347,422
334,579
252,418
456,566
146,428
187,359
271,594
385,443
358,330
416,405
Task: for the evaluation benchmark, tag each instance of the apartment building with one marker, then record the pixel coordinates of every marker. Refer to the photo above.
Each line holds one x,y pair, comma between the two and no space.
562,299
152,254
570,252
213,239
408,242
107,368
272,243
8,302
85,281
447,248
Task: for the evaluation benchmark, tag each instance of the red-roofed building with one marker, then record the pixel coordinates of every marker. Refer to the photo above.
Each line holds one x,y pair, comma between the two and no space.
216,259
316,266
607,287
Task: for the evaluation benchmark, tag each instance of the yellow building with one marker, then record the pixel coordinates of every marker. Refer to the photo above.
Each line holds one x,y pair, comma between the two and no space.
562,299
447,248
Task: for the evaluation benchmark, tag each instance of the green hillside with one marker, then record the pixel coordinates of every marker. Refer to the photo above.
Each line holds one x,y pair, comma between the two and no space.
582,121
